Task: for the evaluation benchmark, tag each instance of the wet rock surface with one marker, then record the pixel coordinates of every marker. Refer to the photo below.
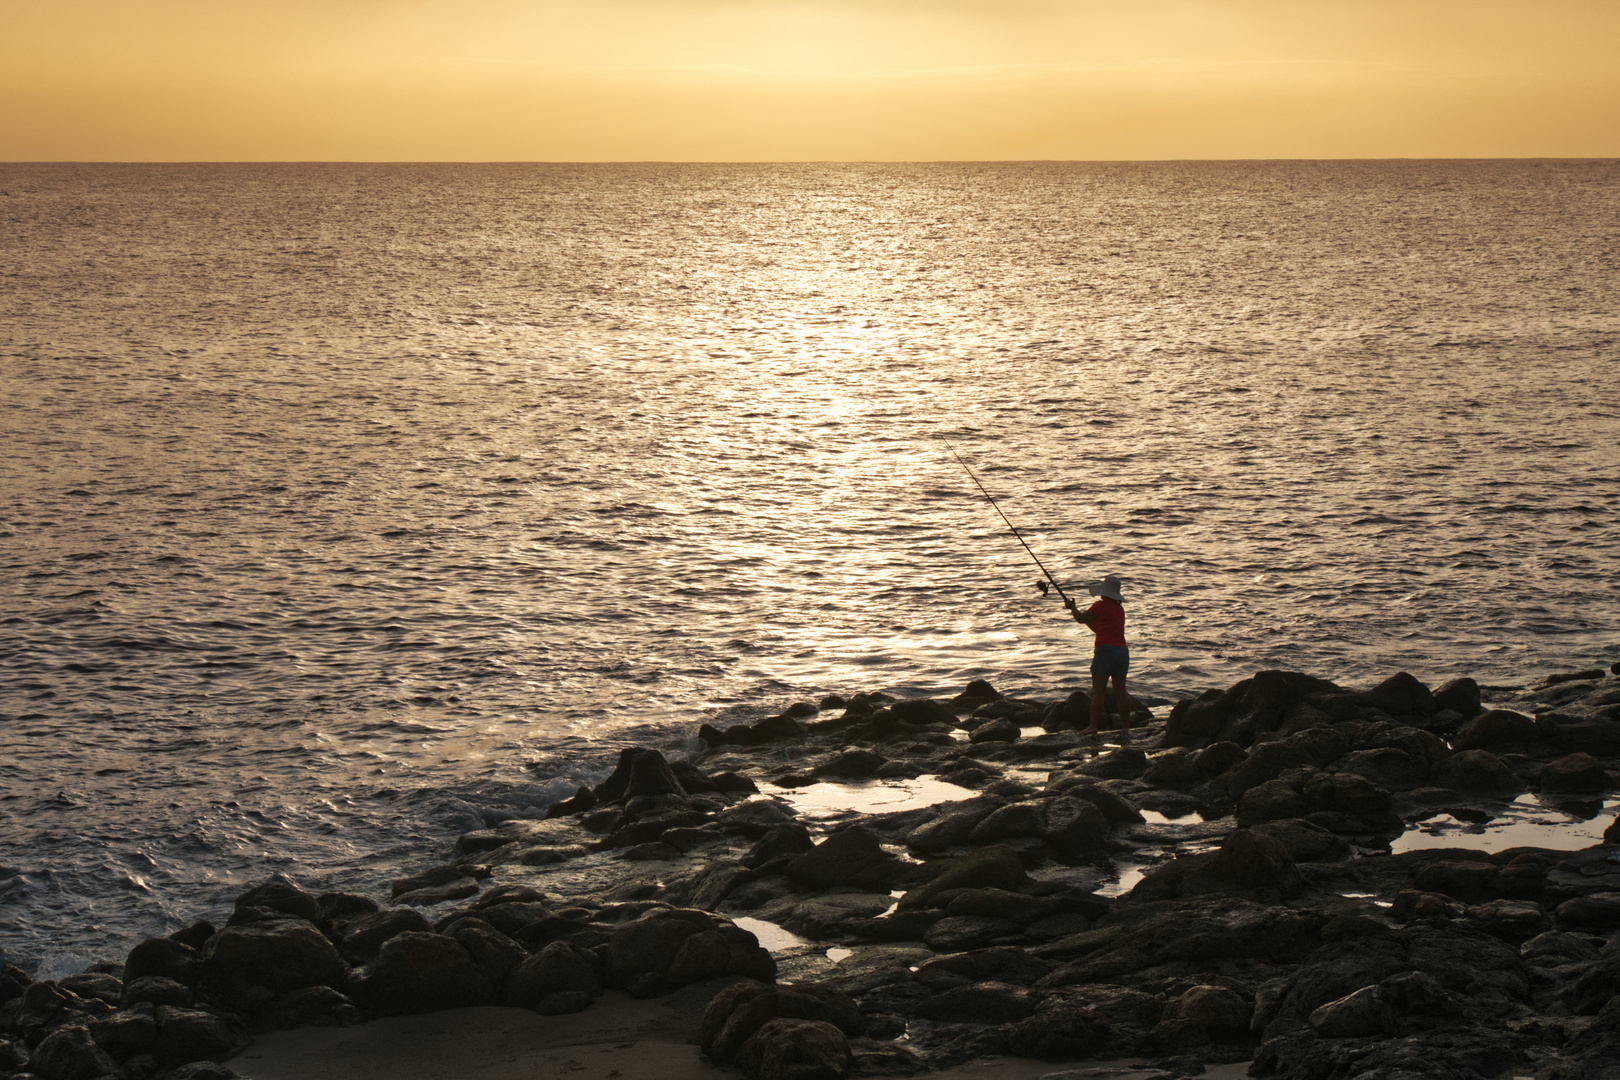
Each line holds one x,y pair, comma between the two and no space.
1221,891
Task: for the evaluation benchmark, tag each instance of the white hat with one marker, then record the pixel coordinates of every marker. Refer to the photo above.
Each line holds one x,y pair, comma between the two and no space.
1108,586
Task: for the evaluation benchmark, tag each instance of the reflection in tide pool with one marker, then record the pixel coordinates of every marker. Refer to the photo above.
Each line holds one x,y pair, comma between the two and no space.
1526,822
819,801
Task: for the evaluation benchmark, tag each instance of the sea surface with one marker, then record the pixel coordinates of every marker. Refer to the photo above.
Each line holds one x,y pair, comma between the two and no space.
347,507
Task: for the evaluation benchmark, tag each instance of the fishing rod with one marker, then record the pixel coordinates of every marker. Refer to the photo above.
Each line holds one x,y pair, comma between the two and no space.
1010,525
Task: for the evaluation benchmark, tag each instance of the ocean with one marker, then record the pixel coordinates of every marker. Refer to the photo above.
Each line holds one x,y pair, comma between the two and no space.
348,507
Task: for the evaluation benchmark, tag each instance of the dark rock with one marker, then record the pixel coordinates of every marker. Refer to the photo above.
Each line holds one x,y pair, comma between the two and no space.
1002,904
158,991
1415,904
1388,767
977,692
1356,1015
195,1035
1219,757
1126,763
1198,719
127,1032
1348,793
1172,770
784,840
1060,1031
852,856
1496,729
163,957
1461,696
1118,810
1516,919
459,889
922,711
493,952
1251,860
313,1006
852,763
1478,772
245,966
1577,773
1595,912
995,731
1594,735
981,1003
953,825
1271,801
955,933
1219,1012
420,973
1304,841
1266,761
281,894
737,1012
365,936
756,817
1403,695
786,1048
69,1053
558,968
202,1070
431,879
993,867
97,985
1001,965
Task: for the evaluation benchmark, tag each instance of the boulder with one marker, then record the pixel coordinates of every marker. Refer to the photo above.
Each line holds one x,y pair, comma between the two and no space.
1218,1010
1001,965
1573,774
195,1035
313,1006
1060,1031
1348,793
756,817
1496,729
127,1032
994,867
739,1011
1514,919
1477,772
1461,696
1357,1015
1403,695
1387,766
69,1053
995,731
1251,860
363,937
955,933
786,1048
851,856
953,824
419,973
559,968
280,894
245,966
851,764
921,711
1273,800
158,991
981,1003
1598,912
163,957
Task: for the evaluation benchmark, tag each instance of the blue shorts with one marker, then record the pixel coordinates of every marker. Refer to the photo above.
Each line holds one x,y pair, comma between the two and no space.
1110,660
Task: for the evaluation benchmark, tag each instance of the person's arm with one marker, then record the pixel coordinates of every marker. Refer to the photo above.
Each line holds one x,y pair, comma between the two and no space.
1082,617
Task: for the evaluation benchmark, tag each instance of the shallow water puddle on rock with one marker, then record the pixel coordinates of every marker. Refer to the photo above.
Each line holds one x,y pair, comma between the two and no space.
773,937
839,955
1128,877
867,796
1527,821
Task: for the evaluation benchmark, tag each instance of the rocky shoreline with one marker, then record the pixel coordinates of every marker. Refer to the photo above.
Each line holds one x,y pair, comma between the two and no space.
1223,891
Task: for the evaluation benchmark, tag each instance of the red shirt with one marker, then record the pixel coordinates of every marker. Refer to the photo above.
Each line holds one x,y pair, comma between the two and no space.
1107,621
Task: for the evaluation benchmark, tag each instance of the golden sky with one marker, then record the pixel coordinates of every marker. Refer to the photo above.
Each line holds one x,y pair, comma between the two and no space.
772,80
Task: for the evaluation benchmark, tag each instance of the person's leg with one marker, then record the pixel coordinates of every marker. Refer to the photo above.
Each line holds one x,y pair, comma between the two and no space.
1099,687
1123,700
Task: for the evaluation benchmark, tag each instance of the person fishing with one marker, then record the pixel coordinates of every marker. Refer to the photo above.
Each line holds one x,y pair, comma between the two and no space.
1111,656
